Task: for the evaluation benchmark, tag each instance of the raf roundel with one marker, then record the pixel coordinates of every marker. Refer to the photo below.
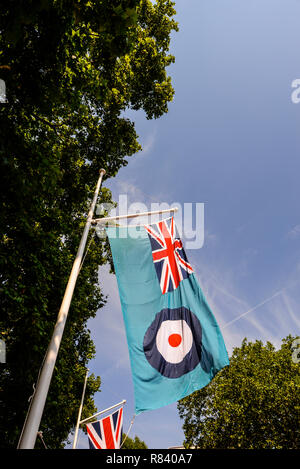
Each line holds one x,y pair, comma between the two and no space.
173,342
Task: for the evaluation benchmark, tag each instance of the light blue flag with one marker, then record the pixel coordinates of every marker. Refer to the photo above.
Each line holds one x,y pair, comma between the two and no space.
175,344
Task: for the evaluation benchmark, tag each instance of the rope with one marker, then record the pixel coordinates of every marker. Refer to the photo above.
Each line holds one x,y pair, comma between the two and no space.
31,398
86,251
131,423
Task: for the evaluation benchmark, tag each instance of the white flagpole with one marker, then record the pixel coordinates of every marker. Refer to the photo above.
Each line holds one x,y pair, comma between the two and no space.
133,215
32,422
103,411
79,413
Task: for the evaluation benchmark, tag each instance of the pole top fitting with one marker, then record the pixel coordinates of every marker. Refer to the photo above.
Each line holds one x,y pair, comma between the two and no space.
102,171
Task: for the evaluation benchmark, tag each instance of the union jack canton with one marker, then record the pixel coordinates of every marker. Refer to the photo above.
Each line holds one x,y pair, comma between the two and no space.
107,432
168,255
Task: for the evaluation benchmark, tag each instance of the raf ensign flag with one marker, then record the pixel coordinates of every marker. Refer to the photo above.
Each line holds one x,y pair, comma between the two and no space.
175,344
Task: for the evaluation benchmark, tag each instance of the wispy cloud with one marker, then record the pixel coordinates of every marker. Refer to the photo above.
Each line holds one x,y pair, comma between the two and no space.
270,319
149,143
294,232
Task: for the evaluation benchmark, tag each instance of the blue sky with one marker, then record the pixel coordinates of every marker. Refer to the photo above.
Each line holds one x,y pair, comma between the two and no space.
231,140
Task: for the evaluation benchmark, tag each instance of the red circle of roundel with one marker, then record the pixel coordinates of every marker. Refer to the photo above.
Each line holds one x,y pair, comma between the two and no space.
173,342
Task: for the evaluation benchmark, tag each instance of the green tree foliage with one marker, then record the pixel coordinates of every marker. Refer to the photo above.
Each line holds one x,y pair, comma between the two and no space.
133,443
71,68
253,404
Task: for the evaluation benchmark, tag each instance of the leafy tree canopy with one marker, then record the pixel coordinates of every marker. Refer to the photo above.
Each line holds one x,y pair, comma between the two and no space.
254,403
71,68
133,443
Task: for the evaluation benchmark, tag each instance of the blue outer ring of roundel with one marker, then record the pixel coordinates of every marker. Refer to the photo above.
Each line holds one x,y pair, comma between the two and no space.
155,358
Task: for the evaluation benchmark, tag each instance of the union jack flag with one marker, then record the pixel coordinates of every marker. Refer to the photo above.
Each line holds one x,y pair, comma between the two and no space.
107,432
168,255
